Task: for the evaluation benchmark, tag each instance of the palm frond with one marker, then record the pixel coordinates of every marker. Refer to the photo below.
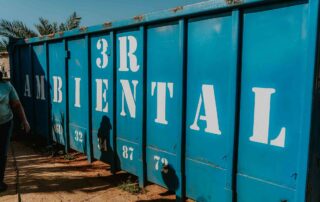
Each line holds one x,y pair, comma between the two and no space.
72,22
16,29
45,27
3,45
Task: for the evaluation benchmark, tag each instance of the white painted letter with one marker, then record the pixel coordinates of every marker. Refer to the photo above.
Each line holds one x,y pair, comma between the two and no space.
102,44
125,54
161,99
57,86
101,95
129,97
210,108
262,118
77,92
27,90
40,87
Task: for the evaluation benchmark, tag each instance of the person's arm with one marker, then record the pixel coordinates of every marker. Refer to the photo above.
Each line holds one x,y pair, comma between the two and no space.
19,111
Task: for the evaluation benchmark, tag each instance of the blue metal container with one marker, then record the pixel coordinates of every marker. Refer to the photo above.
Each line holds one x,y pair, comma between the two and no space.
58,94
217,101
102,108
211,106
275,104
129,100
164,104
40,90
78,95
26,89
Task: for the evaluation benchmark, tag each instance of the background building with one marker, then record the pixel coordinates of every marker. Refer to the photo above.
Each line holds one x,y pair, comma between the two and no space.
4,64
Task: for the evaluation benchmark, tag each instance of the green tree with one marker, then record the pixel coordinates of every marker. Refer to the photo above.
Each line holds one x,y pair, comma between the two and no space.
3,45
45,27
18,29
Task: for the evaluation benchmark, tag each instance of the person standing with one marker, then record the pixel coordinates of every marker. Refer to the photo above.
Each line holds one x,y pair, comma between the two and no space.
9,105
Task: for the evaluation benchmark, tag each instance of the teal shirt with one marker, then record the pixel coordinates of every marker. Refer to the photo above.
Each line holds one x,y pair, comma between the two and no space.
7,94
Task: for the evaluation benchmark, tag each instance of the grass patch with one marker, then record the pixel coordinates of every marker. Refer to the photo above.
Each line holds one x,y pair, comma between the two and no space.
131,186
69,157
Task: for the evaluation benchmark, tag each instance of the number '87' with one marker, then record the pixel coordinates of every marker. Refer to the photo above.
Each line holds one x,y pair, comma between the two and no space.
127,152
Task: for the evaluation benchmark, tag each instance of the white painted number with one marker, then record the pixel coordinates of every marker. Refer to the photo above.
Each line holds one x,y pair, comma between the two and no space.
78,136
127,152
102,45
164,162
58,128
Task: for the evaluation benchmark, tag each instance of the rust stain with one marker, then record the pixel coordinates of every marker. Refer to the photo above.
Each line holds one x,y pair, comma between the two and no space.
83,29
60,33
50,35
233,2
138,17
107,24
176,9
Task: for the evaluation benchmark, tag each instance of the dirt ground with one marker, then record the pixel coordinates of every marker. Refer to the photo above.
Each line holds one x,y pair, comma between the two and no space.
46,178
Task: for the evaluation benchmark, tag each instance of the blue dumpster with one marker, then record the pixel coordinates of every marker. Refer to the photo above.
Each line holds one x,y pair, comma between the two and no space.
217,101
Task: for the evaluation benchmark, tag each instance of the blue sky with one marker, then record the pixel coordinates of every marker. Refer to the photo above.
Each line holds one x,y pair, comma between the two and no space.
92,11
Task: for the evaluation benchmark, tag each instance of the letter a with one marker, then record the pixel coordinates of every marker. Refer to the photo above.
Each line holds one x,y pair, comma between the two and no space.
211,115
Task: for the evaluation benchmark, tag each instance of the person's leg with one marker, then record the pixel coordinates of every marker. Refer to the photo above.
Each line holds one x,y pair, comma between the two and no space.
5,133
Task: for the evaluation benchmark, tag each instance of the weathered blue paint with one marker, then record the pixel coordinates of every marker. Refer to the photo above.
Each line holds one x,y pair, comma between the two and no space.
57,76
278,62
216,102
102,98
78,94
164,88
129,121
26,84
40,97
211,68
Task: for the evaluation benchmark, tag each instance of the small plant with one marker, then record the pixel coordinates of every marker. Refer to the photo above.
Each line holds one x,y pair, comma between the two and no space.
68,157
130,186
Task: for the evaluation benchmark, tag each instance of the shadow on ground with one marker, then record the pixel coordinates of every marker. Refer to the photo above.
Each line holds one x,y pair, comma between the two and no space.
54,178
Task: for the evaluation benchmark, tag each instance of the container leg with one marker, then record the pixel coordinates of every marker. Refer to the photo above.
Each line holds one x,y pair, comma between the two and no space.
142,177
180,193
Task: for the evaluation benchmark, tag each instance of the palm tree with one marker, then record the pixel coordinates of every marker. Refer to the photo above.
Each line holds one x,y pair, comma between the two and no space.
45,27
18,29
15,29
3,45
